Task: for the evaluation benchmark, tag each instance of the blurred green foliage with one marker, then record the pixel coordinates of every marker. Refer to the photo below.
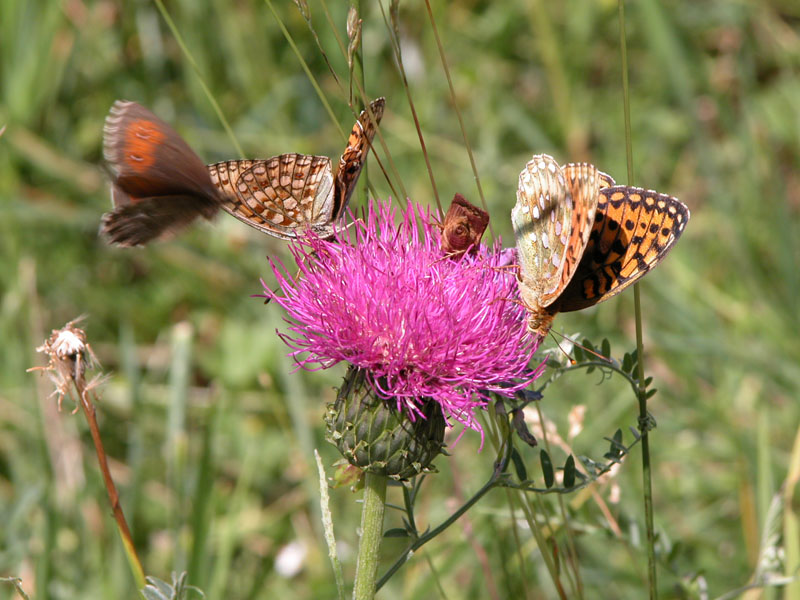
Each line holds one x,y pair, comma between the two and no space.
216,467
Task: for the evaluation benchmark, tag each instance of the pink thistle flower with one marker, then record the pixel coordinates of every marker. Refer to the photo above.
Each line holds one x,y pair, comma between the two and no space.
421,325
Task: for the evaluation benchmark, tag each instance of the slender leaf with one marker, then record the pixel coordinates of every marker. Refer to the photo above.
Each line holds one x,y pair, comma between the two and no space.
547,468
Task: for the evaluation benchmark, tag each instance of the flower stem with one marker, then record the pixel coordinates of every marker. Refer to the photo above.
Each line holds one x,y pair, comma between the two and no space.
122,525
494,480
371,535
641,391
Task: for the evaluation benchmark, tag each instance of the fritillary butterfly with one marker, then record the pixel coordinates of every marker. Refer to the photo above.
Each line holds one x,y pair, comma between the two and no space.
159,184
283,194
582,239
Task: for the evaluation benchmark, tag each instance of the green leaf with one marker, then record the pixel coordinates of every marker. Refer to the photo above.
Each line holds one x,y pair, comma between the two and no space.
156,589
547,468
648,381
627,362
577,352
651,393
347,475
519,465
590,369
615,449
590,465
606,348
569,472
397,532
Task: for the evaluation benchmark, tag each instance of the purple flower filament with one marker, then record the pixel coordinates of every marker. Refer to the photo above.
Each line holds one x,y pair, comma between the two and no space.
385,298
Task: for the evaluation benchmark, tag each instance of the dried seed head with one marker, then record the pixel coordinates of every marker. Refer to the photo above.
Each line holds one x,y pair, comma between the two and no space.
68,354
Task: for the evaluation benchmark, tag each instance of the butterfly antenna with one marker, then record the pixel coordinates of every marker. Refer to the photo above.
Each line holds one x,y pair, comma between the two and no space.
574,343
564,352
266,301
275,291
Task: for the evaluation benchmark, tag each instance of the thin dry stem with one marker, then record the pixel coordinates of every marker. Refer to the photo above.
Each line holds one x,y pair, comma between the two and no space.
69,354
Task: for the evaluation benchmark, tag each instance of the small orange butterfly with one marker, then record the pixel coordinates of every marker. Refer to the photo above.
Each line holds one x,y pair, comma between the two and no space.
582,239
463,227
159,185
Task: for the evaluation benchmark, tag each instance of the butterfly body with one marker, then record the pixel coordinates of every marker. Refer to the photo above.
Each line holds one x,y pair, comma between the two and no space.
582,239
160,186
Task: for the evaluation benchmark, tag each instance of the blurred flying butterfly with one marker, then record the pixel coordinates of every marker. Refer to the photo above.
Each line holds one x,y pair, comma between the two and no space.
159,185
582,239
463,227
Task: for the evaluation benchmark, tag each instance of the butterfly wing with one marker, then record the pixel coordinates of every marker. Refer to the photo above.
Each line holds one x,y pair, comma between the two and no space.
605,180
633,231
541,219
352,160
159,185
583,184
280,195
463,227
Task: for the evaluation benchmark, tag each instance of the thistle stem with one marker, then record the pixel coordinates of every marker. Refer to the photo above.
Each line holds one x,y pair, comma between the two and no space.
371,534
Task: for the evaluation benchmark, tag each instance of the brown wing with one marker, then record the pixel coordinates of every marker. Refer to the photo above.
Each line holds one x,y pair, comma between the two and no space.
463,227
633,231
583,183
159,185
352,160
280,195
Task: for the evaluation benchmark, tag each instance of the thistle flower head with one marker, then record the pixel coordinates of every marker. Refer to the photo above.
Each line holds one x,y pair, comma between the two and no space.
385,298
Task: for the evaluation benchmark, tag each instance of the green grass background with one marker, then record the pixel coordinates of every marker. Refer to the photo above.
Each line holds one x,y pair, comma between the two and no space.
211,436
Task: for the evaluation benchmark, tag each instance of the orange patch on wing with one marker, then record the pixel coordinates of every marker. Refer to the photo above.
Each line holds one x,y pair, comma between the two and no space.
588,288
629,269
141,140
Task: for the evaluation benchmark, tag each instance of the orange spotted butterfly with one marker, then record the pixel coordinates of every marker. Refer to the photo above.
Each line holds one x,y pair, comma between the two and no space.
582,239
159,185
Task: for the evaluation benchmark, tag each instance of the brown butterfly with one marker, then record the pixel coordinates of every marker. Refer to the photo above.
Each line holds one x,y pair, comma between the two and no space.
463,227
582,239
159,185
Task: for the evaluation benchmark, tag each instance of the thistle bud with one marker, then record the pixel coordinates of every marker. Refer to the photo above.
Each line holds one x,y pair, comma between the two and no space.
373,434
